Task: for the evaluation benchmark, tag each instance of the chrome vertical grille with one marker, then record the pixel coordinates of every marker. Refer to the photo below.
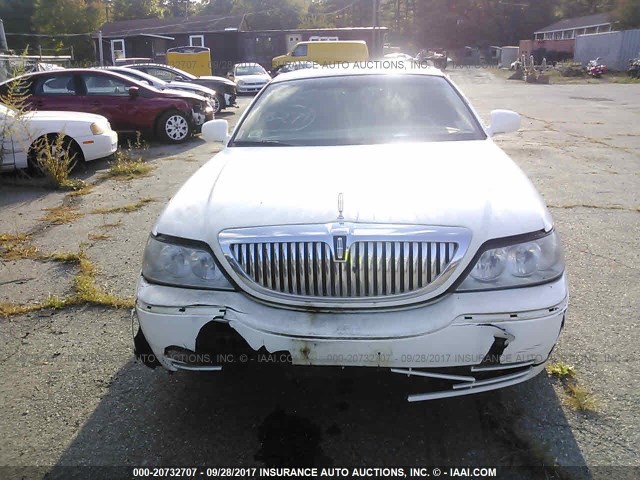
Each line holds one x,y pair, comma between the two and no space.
371,268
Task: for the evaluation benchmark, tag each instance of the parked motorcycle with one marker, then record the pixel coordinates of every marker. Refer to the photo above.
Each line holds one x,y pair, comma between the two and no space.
595,68
634,68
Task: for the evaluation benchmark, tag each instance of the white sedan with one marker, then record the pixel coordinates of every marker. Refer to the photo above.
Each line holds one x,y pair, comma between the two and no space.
86,136
357,218
249,77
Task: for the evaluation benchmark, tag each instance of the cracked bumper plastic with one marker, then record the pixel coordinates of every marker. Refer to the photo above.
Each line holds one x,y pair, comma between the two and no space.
458,330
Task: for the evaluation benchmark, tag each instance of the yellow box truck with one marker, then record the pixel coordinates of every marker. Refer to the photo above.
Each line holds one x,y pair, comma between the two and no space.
325,52
195,60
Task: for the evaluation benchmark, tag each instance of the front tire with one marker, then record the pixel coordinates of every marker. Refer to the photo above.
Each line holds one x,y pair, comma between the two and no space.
47,148
174,127
218,104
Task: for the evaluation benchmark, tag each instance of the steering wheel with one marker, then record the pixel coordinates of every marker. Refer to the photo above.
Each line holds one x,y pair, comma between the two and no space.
294,118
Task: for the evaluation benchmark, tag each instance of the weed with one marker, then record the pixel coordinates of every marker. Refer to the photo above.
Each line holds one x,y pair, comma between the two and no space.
98,236
13,238
139,143
55,157
580,399
14,246
128,208
576,396
84,285
78,187
52,302
60,215
124,167
65,257
107,226
561,370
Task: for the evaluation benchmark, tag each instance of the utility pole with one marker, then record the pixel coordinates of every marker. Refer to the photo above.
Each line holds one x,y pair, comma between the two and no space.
3,37
100,48
374,22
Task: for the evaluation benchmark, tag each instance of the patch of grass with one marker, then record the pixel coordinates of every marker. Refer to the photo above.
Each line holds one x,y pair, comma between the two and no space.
55,158
14,246
52,302
78,188
85,290
124,167
128,208
575,396
561,370
98,236
139,143
580,399
60,215
13,238
66,257
20,252
108,226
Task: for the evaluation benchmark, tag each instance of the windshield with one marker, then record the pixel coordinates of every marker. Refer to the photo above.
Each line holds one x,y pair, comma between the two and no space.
249,70
358,110
142,77
183,73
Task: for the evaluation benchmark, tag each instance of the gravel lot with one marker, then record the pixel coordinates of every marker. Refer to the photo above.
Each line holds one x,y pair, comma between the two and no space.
72,394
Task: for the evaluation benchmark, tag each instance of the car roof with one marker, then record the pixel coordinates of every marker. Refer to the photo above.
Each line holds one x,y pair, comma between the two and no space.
79,70
372,67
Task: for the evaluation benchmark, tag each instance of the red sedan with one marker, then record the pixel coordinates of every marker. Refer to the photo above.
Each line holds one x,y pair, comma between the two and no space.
129,105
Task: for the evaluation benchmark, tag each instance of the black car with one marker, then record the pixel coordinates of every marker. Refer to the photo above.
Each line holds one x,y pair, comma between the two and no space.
293,66
225,87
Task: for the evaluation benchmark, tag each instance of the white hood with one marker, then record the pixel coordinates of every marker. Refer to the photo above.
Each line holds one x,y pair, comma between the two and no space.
469,184
64,117
260,78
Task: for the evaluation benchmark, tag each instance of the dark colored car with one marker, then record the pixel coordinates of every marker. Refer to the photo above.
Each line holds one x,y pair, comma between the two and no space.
129,105
293,66
226,88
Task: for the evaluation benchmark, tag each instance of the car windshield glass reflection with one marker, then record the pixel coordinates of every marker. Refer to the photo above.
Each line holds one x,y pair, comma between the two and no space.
358,110
250,70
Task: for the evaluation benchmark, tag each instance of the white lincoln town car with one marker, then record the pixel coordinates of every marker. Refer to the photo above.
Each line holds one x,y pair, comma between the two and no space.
357,218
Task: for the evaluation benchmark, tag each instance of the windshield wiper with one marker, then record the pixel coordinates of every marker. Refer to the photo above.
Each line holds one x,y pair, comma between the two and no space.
261,143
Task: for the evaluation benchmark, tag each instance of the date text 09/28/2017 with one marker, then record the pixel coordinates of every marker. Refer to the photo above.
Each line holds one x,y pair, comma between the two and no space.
311,472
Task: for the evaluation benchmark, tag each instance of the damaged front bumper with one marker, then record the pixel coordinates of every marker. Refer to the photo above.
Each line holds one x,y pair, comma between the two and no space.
478,341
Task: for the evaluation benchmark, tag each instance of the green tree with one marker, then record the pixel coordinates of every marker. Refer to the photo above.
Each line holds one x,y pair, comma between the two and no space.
134,9
16,15
59,17
627,13
271,14
179,8
216,7
578,8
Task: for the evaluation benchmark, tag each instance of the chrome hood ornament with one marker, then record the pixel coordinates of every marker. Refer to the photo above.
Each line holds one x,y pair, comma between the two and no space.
340,208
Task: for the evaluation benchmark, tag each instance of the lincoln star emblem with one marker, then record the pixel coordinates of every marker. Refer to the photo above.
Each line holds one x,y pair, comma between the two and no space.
340,241
339,248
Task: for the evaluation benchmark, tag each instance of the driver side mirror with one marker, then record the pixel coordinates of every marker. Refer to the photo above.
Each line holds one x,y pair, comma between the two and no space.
134,92
503,121
216,131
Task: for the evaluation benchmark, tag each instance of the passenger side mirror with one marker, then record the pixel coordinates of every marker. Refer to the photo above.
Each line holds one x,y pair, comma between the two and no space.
134,92
215,131
503,121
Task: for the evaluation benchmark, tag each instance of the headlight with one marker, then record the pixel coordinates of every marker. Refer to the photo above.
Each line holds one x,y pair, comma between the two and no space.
240,82
98,128
181,265
518,265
